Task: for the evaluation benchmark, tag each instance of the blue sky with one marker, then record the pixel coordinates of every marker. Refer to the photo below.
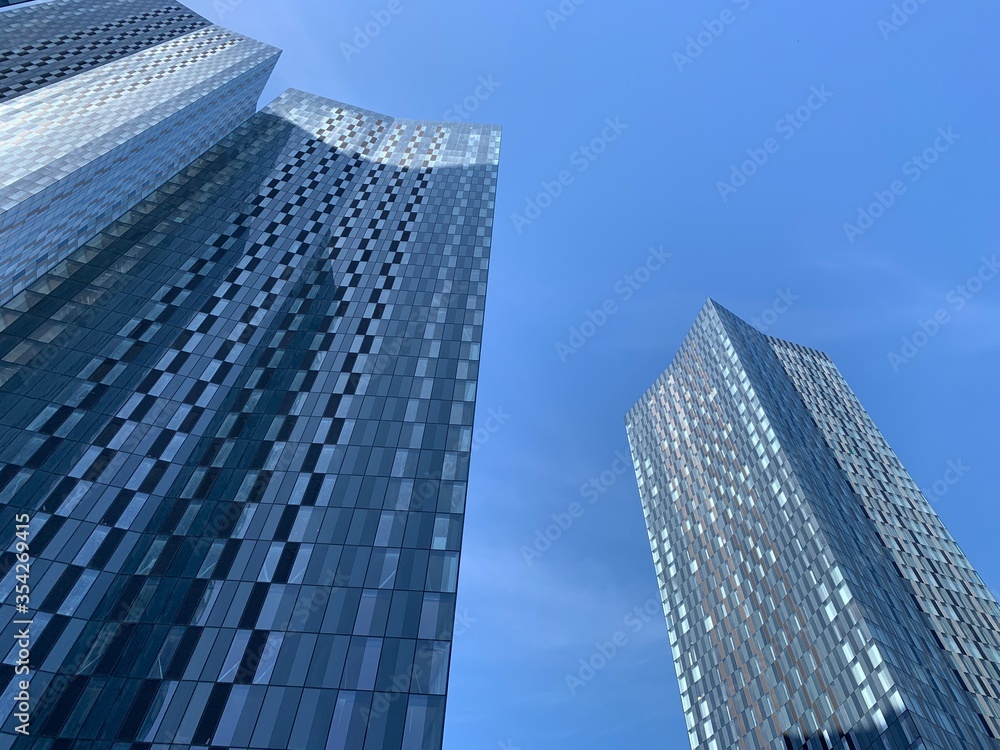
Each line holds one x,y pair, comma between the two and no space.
830,107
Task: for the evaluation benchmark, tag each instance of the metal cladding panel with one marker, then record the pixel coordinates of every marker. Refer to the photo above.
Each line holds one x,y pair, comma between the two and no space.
107,102
240,419
791,619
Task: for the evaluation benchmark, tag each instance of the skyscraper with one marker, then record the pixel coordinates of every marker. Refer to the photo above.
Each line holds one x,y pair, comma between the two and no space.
239,418
100,103
813,596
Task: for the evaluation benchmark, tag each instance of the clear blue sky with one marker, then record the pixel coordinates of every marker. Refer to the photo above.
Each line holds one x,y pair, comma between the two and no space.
878,102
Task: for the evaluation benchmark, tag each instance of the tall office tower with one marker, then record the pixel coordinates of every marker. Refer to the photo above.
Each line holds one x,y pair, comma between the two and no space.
101,102
239,419
813,597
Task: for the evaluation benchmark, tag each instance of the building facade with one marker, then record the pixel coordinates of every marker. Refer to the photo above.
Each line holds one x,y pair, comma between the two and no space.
238,419
813,597
100,103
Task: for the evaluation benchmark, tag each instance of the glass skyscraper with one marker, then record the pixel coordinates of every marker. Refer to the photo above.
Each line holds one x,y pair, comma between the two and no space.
100,103
238,365
813,597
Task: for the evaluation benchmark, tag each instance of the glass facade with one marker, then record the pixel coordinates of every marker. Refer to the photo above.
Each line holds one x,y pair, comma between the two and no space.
813,597
100,103
239,417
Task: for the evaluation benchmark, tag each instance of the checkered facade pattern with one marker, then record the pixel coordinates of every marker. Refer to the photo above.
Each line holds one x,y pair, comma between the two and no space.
240,418
99,104
813,597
